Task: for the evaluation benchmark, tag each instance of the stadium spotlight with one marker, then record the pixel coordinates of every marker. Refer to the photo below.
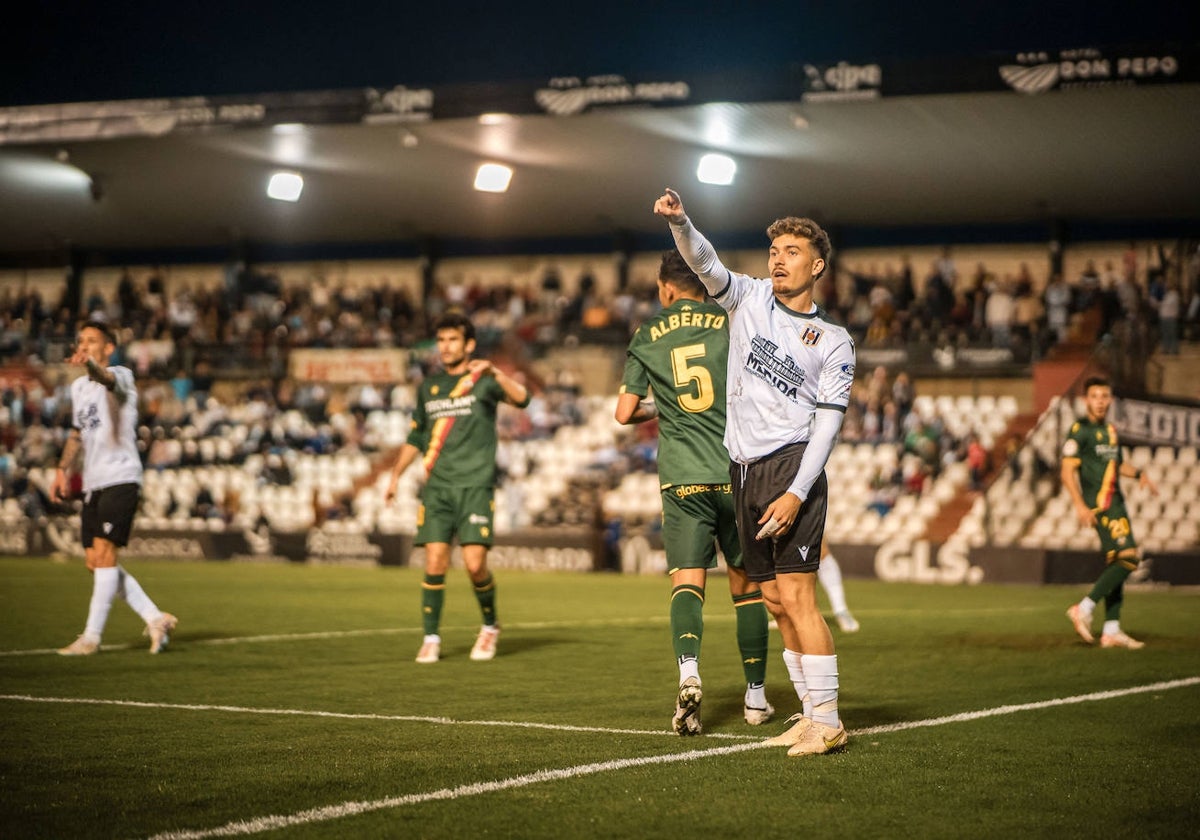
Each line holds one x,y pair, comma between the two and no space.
285,186
716,169
493,177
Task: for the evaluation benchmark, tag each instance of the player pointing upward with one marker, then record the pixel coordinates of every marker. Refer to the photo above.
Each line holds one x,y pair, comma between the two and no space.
789,376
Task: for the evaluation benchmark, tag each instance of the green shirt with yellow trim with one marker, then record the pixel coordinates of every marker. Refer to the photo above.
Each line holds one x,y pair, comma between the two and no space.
454,427
1095,447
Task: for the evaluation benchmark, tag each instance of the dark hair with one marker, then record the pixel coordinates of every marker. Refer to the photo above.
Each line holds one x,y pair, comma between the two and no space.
673,269
101,327
1095,382
456,321
805,229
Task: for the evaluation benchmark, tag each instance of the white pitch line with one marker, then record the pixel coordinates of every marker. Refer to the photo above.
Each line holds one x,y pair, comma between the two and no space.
347,809
350,809
528,625
379,631
1026,707
254,710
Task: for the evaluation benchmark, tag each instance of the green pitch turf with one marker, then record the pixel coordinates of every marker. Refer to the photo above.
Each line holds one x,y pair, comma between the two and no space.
288,705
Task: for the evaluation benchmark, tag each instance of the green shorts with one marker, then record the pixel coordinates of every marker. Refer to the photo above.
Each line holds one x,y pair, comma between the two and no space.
693,516
465,511
1116,537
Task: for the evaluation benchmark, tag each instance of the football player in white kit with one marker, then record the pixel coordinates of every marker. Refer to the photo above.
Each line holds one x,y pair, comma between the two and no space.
104,412
789,374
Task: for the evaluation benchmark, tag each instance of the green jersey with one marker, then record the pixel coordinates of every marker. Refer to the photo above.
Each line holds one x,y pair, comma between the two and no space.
680,354
1094,447
454,426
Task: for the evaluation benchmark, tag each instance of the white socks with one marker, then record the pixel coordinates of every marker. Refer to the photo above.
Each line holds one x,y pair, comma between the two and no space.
136,597
1111,628
756,697
105,583
821,675
689,666
829,573
795,669
1087,606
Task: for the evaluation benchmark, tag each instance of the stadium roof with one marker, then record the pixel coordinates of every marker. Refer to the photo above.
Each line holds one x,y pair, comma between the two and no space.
1103,135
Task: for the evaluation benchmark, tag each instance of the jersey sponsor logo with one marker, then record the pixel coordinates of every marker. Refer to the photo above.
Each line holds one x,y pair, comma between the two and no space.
450,406
811,335
803,552
89,418
784,375
477,519
1071,448
689,636
107,527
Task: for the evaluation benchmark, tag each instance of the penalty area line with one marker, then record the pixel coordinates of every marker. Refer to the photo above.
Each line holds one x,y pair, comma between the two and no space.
349,809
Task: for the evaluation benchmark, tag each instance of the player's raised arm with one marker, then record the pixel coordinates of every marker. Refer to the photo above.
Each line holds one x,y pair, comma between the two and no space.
670,207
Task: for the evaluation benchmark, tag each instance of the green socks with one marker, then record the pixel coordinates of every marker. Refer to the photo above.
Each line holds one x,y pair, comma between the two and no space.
752,635
433,595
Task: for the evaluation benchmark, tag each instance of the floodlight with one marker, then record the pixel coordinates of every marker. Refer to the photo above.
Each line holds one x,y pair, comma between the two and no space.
716,169
285,186
493,177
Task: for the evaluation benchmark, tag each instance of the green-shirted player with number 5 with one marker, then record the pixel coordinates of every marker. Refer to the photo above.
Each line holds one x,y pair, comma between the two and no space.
1091,472
679,356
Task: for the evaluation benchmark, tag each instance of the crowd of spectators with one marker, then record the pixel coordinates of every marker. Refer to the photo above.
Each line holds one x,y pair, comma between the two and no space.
212,361
886,307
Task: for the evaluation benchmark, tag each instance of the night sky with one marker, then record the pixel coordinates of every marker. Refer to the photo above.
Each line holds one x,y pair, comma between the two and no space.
124,49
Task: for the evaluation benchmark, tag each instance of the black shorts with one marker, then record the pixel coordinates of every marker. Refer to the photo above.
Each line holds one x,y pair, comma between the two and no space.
108,514
755,486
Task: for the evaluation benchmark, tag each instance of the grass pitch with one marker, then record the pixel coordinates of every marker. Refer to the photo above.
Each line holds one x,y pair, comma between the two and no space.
288,703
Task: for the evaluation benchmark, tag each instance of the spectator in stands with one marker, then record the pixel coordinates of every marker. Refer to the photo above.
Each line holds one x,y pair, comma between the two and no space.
977,461
999,314
1087,288
1169,310
1028,314
454,430
1057,298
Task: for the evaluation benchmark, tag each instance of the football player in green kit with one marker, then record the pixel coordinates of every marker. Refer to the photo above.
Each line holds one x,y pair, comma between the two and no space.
454,432
680,356
1091,472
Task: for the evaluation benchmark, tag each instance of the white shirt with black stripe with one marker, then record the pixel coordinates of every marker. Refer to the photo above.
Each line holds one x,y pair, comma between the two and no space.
108,430
783,365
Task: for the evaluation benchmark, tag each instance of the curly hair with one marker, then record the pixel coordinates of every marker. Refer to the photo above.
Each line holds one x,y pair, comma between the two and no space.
805,229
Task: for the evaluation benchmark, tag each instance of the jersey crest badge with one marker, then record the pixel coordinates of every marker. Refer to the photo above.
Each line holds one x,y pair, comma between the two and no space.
811,336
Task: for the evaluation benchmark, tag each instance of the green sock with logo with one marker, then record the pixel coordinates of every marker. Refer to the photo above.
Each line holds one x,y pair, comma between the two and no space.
433,595
752,635
485,594
687,620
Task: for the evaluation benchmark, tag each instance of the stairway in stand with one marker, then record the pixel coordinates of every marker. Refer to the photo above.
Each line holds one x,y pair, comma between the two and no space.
951,514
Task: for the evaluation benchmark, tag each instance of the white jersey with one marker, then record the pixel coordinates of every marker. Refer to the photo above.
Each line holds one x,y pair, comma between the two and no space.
783,365
108,430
